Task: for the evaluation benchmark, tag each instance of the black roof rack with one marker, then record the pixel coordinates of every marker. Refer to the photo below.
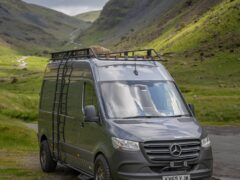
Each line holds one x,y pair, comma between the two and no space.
135,55
78,54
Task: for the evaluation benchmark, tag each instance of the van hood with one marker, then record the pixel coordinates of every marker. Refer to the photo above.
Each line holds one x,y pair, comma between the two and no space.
157,129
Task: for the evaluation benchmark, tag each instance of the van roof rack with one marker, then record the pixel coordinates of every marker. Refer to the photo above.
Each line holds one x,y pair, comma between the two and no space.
80,54
135,55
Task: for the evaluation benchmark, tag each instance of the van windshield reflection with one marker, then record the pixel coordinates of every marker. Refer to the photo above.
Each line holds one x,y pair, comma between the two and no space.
142,99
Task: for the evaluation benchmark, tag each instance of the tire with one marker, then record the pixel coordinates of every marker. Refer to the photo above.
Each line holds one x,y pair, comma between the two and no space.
46,160
101,169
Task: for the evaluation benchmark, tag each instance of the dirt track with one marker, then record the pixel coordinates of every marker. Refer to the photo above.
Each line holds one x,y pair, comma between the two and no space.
226,152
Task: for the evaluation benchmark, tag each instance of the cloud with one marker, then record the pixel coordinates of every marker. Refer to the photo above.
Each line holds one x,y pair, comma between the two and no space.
71,7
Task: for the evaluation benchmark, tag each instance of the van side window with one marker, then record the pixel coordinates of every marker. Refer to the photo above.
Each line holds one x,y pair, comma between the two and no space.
89,96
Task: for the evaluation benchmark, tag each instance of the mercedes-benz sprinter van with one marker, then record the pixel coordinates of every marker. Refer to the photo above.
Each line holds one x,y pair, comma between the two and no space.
119,116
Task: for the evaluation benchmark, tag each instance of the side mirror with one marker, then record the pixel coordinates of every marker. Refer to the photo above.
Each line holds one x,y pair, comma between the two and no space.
91,114
192,108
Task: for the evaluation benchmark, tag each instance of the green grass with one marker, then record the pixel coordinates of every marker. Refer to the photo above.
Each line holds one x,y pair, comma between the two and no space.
20,99
18,150
219,26
15,136
19,153
212,85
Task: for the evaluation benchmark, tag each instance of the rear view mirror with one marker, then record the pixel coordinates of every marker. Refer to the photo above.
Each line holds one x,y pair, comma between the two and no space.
192,108
91,114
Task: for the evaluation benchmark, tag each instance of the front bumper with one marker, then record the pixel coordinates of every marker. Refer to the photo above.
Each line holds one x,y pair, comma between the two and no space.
134,166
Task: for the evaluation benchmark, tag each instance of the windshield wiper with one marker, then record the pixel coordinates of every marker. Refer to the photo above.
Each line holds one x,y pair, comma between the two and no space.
182,115
136,117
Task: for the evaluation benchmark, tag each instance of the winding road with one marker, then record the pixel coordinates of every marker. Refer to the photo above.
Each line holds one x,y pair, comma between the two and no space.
73,35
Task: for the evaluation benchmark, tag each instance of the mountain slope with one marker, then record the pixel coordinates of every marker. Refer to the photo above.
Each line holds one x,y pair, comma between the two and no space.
129,23
89,16
216,29
28,26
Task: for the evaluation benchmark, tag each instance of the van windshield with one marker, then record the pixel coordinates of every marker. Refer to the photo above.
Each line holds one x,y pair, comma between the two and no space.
139,99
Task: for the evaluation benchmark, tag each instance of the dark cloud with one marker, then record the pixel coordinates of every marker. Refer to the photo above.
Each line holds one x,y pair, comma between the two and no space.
71,7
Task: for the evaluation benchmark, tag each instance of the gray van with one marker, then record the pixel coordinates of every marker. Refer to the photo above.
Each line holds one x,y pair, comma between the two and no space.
119,116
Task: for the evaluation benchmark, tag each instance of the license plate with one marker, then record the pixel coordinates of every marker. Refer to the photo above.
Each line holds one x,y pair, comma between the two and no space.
179,177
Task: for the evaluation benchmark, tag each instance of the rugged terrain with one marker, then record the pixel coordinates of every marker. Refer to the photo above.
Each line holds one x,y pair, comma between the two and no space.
31,28
133,23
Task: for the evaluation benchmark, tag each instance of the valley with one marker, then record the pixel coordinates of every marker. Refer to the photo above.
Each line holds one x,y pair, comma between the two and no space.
34,29
199,41
89,16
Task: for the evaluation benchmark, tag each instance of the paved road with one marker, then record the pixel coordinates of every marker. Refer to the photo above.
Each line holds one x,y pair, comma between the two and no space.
226,151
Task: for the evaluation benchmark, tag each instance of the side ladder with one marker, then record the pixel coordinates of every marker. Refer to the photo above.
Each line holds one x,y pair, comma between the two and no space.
59,111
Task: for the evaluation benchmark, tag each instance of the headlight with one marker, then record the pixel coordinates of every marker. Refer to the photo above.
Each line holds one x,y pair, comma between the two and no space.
206,142
125,144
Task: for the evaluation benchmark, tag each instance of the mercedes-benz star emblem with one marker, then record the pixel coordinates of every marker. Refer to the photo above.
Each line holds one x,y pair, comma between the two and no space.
175,150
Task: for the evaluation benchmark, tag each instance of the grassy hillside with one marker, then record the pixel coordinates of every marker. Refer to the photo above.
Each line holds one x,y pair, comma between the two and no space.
17,142
216,29
134,23
20,86
89,16
31,28
213,85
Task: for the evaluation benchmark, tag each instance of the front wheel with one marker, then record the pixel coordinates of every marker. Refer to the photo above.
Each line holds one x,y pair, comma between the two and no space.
46,160
102,170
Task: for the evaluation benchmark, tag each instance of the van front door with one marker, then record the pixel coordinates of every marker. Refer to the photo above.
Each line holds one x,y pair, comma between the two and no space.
91,134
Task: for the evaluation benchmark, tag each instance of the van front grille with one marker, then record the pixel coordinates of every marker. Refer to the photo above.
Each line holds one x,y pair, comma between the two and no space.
160,152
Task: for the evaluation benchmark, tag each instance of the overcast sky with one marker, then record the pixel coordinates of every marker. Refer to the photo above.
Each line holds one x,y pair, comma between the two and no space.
71,7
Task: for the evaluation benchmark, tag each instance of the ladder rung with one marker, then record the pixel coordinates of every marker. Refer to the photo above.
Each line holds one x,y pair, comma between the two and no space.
59,102
60,71
62,114
61,93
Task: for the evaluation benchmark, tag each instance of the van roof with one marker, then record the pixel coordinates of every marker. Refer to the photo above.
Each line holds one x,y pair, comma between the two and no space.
118,66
